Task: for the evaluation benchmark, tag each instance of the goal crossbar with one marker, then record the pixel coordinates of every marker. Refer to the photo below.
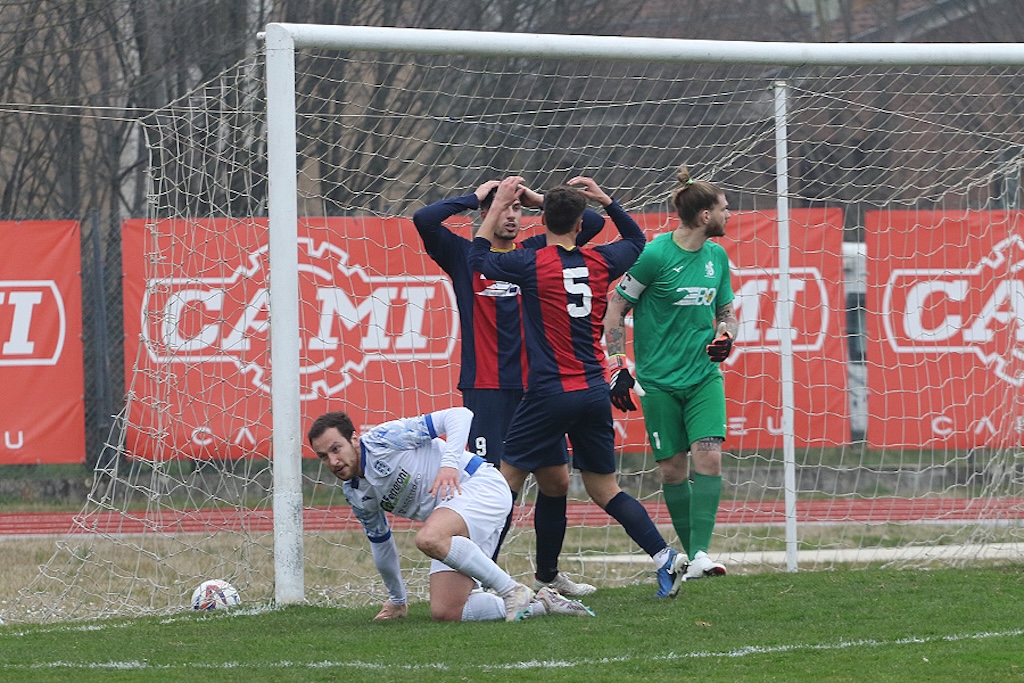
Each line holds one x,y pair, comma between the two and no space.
495,44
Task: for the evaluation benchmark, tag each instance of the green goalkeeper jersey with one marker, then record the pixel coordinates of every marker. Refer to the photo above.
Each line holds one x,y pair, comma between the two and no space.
675,294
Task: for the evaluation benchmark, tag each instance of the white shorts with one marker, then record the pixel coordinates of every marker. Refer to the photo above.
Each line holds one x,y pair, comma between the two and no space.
483,505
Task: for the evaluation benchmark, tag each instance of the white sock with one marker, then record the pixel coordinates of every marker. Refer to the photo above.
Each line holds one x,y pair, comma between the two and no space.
483,606
466,557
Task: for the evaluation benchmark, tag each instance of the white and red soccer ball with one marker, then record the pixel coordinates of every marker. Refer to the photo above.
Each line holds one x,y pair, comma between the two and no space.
215,594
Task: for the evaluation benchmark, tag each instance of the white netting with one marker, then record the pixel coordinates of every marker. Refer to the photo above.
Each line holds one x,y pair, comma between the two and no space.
908,409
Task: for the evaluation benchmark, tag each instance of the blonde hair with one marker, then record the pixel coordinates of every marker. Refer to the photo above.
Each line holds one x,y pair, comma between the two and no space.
693,196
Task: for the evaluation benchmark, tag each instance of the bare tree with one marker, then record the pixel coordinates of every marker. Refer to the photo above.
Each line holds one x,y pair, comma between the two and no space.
77,75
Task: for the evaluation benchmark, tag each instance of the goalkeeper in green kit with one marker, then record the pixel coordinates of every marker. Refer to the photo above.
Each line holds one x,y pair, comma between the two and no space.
681,296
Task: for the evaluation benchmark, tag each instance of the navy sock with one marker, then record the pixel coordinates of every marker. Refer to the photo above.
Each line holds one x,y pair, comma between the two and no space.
504,530
627,511
549,524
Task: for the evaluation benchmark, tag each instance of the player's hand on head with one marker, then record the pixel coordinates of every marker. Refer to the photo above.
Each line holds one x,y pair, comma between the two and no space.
719,349
446,484
485,189
531,198
589,188
509,190
392,611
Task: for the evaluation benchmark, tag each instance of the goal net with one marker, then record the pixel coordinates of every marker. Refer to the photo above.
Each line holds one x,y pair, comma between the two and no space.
875,393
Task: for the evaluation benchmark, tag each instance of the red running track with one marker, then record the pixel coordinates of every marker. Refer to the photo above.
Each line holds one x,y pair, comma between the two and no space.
825,511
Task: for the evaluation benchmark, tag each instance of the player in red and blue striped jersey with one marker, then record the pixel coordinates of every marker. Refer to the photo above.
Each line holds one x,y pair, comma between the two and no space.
565,295
493,373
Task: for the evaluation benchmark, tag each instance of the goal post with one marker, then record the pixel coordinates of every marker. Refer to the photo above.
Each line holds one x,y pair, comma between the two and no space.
289,583
283,39
875,411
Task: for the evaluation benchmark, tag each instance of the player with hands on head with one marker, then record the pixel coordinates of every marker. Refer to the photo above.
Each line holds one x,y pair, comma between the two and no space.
493,375
386,469
564,294
681,296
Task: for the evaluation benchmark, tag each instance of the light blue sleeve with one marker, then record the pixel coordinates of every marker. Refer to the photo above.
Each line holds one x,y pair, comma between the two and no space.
382,544
397,435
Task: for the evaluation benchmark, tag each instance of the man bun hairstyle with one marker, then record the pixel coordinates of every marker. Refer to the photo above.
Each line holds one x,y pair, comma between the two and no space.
693,196
563,208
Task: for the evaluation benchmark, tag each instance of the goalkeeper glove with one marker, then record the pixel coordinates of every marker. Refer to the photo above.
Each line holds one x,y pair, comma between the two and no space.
719,349
621,382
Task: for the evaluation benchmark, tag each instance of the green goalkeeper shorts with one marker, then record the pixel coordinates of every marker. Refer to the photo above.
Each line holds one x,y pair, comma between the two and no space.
676,418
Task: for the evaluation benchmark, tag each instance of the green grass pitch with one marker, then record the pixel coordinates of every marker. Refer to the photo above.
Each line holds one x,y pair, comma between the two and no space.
859,625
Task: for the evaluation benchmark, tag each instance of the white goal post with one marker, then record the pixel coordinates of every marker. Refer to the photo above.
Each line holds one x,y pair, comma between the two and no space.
875,392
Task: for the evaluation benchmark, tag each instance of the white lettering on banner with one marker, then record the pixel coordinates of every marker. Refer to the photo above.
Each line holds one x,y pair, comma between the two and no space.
927,311
10,443
22,304
372,314
737,426
759,309
204,436
227,320
945,426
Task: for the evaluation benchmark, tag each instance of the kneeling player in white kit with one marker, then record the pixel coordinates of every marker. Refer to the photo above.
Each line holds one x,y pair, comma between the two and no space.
404,468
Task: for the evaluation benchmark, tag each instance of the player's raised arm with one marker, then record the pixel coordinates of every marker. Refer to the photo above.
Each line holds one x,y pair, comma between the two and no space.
444,245
531,199
453,424
628,228
589,188
509,191
485,189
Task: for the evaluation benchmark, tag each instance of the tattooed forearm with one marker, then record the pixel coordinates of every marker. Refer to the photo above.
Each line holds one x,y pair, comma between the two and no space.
615,323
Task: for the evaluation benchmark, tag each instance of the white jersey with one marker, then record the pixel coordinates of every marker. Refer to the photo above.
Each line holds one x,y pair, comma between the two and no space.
400,461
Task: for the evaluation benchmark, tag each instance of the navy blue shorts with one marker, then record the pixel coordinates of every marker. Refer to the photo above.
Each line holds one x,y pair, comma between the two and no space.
536,437
492,414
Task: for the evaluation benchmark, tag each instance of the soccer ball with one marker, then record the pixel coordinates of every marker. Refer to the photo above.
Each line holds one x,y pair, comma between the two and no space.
215,594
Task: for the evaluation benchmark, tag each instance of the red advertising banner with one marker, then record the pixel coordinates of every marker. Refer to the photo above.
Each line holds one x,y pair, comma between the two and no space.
42,414
946,302
380,332
814,308
379,335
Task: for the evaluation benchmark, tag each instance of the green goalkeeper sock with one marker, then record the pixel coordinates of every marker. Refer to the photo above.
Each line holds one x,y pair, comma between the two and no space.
677,500
707,491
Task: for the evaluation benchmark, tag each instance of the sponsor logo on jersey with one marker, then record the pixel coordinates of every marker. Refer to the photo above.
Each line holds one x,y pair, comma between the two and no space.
709,270
695,296
394,493
499,289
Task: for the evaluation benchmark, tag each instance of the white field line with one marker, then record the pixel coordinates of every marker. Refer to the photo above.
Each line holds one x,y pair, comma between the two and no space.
933,553
746,651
